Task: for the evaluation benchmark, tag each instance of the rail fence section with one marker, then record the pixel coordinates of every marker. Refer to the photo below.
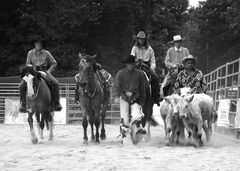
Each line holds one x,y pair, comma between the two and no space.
224,83
67,90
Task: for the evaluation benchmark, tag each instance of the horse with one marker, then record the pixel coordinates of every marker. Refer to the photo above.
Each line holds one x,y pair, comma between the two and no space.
38,100
91,98
147,108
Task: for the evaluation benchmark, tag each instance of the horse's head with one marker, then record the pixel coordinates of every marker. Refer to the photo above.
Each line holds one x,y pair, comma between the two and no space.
87,73
32,79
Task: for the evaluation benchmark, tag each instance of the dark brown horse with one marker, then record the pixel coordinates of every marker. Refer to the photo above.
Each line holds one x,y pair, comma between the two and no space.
148,107
91,99
38,101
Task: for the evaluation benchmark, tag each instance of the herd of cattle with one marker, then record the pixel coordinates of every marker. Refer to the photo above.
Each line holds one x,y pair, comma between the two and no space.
190,111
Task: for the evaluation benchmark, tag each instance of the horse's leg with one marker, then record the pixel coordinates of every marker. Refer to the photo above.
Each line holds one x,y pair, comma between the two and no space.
97,123
37,114
91,121
50,121
32,132
149,121
103,115
85,125
41,125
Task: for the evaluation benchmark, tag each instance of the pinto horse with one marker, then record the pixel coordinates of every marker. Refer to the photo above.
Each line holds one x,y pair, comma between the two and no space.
38,100
91,99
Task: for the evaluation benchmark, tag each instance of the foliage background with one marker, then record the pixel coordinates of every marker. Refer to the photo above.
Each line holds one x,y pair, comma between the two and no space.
107,27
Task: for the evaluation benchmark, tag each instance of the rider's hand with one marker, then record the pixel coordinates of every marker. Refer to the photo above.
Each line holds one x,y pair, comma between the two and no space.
117,100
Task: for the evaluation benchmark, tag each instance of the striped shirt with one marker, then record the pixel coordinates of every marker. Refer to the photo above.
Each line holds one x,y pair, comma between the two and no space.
174,56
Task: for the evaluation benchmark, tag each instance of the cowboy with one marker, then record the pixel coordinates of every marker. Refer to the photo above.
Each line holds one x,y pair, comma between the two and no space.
42,60
190,77
104,77
173,61
144,55
129,89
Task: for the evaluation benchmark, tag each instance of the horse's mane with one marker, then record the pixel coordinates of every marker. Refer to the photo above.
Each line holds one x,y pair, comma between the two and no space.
31,70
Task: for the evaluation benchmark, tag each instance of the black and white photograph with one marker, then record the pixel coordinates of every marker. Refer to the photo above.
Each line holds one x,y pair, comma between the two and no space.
119,85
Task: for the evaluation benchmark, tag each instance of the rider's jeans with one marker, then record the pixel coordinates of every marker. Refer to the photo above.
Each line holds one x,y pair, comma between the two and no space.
136,111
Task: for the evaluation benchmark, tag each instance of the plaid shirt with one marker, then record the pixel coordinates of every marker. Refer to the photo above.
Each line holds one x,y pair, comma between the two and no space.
197,81
43,59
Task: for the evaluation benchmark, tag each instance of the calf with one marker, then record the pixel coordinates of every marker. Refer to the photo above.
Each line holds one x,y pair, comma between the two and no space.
172,124
194,110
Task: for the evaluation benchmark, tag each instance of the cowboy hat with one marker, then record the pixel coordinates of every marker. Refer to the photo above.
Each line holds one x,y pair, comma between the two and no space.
177,38
189,57
129,59
141,35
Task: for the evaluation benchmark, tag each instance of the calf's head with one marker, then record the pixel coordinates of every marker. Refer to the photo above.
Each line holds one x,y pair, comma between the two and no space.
183,105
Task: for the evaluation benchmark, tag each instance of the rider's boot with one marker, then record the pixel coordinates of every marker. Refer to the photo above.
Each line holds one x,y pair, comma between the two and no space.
22,90
58,106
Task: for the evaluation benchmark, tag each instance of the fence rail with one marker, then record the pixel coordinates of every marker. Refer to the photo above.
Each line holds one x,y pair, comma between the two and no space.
224,83
67,90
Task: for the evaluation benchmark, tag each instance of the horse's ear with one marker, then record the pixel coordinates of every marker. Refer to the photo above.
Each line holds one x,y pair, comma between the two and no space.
94,56
80,56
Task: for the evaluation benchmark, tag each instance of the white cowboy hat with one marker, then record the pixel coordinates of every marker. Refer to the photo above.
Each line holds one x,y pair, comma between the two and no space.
177,38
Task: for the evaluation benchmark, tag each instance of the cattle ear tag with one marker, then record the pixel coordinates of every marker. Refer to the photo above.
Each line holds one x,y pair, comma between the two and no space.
190,98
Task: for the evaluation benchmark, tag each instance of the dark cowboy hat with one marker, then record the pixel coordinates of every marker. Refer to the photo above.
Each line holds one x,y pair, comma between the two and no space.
189,57
130,59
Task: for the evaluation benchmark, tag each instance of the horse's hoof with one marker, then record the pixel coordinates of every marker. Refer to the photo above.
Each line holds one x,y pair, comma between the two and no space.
93,139
85,142
34,140
103,137
97,142
167,143
50,138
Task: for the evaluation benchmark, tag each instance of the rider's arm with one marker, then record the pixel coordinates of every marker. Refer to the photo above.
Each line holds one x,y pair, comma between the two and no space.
152,60
51,61
116,87
29,61
167,61
133,51
178,84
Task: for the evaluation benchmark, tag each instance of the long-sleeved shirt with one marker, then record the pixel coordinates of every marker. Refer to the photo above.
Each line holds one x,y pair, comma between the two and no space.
43,59
197,81
130,81
174,56
145,54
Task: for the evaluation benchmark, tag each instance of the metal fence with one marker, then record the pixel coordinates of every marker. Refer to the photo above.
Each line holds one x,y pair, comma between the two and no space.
67,90
224,83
